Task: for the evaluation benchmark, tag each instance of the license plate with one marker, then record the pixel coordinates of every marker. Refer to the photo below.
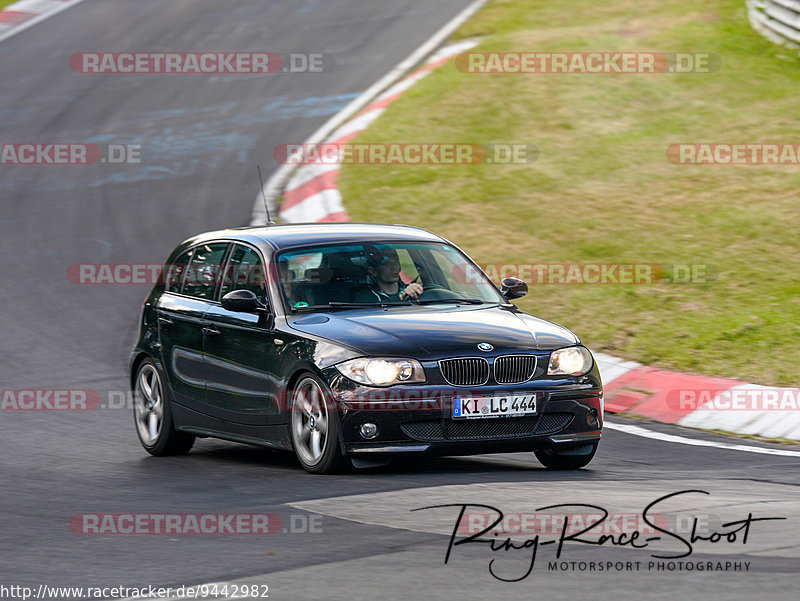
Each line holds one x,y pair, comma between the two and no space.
494,406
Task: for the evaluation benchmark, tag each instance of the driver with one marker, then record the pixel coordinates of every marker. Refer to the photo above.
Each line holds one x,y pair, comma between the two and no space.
385,283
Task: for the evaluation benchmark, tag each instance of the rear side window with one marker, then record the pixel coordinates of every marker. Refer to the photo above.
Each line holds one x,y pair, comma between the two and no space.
245,271
173,273
203,273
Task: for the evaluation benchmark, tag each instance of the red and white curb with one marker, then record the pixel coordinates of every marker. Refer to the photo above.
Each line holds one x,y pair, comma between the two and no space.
312,193
699,401
21,15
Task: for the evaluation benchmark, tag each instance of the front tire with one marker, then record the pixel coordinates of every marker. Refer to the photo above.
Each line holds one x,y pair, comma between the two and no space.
554,461
152,414
314,428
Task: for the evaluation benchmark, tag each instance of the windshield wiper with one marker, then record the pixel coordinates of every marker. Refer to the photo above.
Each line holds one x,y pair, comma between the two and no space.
429,301
466,301
343,305
378,304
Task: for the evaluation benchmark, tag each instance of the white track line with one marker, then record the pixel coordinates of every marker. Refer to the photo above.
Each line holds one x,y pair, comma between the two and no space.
30,23
638,431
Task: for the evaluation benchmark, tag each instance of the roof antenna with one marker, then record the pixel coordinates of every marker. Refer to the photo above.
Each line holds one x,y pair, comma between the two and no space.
264,196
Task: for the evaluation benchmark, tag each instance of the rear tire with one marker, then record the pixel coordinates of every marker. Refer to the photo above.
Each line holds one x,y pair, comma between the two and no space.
314,427
554,461
152,414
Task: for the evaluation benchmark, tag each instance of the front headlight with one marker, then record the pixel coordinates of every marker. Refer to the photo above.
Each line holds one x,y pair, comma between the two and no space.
571,361
382,372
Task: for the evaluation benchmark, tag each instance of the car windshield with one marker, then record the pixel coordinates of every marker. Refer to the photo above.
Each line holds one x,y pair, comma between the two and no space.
348,276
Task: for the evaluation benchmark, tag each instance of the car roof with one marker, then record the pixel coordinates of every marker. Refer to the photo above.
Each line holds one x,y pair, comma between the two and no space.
290,235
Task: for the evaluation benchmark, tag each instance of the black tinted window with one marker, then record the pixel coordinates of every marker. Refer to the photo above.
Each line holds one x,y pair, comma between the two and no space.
374,273
203,273
245,271
173,273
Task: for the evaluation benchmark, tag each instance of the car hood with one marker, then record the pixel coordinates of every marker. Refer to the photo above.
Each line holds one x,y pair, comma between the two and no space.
435,332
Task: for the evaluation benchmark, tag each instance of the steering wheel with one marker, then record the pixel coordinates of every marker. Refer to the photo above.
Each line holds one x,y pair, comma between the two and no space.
433,291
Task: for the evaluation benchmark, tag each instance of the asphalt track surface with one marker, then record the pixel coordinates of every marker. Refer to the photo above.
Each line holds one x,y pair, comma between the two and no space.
201,137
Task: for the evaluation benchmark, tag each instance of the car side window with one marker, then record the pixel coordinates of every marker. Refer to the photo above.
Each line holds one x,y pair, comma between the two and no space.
173,273
455,274
203,273
244,271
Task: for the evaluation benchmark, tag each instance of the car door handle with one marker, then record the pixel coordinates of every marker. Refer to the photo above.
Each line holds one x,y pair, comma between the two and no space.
165,321
211,331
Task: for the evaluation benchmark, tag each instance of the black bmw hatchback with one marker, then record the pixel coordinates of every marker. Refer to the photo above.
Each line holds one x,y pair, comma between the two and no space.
355,342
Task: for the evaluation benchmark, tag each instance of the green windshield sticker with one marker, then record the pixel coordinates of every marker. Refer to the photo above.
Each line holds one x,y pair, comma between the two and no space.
300,304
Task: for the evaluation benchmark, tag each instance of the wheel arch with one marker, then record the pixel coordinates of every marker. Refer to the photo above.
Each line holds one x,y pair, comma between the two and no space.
297,374
136,361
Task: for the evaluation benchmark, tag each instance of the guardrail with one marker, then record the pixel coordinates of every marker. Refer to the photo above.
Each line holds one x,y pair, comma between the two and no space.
776,20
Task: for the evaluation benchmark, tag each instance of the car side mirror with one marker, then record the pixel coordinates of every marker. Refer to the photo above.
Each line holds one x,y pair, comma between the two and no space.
513,288
242,301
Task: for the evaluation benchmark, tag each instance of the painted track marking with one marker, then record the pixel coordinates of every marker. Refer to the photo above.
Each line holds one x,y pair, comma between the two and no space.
643,432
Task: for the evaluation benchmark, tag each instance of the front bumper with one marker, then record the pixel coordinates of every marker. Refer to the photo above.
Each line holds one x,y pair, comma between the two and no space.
418,419
477,447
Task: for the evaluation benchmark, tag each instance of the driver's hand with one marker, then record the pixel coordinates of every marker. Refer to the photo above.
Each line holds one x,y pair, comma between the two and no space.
413,290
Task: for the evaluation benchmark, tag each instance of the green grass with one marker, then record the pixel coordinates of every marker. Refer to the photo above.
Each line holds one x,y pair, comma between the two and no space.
602,190
4,3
